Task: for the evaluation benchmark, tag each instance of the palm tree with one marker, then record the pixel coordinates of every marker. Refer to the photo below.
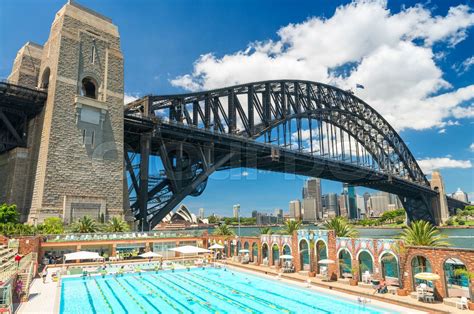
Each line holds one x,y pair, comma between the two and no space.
341,227
423,233
117,224
85,225
291,226
266,230
223,230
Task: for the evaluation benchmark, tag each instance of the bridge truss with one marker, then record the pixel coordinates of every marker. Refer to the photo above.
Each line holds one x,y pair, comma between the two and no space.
289,126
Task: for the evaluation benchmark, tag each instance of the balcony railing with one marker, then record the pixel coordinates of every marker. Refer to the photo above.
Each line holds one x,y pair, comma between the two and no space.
78,237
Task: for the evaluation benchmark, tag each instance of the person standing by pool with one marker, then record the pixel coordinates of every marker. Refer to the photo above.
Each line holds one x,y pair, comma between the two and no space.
45,274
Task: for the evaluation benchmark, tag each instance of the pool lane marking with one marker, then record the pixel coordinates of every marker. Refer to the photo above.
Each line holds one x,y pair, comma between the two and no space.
91,302
143,297
297,301
219,295
152,292
184,292
248,295
116,297
103,296
131,296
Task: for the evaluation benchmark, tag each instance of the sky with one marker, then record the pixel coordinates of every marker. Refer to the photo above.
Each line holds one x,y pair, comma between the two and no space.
414,59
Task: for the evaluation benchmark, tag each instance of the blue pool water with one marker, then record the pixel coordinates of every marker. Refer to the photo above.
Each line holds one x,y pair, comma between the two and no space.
207,290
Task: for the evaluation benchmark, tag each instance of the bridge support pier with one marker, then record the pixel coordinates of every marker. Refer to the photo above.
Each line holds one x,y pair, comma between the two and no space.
145,146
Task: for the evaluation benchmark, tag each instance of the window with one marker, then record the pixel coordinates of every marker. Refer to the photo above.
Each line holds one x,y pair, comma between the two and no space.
45,79
92,138
93,54
89,88
83,136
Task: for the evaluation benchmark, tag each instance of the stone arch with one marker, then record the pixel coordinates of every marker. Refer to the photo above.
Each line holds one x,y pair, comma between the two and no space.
254,251
389,264
456,285
275,253
246,245
89,87
419,263
366,262
286,249
303,247
264,251
344,257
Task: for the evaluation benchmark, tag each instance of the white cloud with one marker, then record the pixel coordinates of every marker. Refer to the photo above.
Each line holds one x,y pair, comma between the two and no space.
471,147
442,131
464,66
463,112
430,164
363,42
128,98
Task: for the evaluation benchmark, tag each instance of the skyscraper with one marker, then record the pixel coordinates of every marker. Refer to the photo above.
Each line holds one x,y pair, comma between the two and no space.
332,205
351,203
295,209
312,190
378,203
201,213
236,209
310,213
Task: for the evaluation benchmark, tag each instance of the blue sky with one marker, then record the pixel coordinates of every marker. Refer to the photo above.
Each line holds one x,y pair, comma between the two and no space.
174,46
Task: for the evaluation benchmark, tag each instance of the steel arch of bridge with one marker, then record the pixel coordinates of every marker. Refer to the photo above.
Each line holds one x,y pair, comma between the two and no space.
253,111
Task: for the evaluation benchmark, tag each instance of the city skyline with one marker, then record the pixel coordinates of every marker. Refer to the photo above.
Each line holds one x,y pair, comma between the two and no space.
442,139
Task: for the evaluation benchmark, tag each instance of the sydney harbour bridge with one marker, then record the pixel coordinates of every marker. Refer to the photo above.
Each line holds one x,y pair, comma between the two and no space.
174,143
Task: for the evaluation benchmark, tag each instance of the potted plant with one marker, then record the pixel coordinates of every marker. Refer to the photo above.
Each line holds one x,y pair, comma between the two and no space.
355,272
470,276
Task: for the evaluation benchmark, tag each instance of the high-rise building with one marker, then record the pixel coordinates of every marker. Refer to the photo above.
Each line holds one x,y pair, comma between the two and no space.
366,197
378,203
236,210
295,209
460,195
395,201
312,190
342,203
351,203
254,214
201,213
360,206
332,205
310,212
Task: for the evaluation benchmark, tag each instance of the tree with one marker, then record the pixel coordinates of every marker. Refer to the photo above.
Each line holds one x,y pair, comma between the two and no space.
85,225
341,227
392,215
423,233
212,219
266,230
51,225
223,230
291,226
8,213
117,224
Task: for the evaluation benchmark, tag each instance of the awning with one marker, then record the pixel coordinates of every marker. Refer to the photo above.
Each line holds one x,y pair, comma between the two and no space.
216,246
326,261
82,255
189,249
150,255
427,276
286,256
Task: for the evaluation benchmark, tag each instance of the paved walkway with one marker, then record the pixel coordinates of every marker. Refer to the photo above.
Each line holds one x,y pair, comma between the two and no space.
356,290
44,297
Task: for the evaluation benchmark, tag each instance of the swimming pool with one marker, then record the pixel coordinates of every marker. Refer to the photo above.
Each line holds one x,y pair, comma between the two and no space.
208,290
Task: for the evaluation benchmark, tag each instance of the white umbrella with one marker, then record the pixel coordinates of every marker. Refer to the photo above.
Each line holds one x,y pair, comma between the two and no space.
80,255
150,255
326,261
244,251
189,249
427,276
216,246
286,256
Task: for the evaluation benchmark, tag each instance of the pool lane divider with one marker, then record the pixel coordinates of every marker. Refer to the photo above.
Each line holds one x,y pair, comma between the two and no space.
103,296
89,298
206,305
131,296
247,295
153,292
116,297
143,297
219,295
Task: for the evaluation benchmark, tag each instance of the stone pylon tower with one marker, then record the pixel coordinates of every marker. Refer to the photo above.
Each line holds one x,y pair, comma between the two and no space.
80,158
441,203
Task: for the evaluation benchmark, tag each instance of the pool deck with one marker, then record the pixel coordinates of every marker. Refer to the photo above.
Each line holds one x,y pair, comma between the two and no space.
44,297
406,301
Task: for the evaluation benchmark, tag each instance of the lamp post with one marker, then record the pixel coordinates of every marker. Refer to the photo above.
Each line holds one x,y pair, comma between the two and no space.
237,207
